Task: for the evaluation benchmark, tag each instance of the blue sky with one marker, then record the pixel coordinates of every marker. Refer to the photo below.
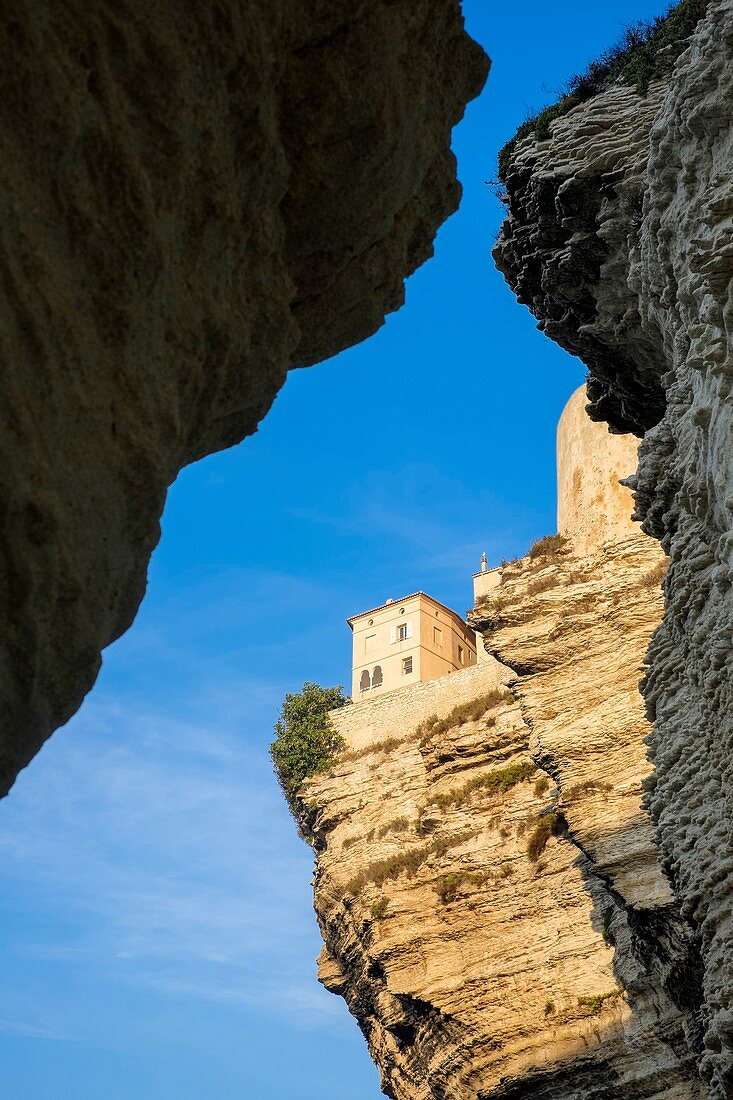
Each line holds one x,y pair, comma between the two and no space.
157,938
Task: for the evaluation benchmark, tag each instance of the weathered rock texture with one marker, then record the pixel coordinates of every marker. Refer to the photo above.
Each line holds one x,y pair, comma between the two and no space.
473,970
193,198
628,209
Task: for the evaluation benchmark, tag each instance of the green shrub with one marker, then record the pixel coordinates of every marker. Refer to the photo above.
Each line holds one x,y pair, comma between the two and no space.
594,1004
387,870
646,51
399,825
448,886
406,862
305,740
608,935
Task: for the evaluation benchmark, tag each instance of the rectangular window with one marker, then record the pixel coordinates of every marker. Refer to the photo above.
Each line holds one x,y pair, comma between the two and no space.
407,666
370,643
400,633
438,637
460,655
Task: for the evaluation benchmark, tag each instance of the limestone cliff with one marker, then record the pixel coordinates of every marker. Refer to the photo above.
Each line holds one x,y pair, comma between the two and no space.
194,198
487,883
626,209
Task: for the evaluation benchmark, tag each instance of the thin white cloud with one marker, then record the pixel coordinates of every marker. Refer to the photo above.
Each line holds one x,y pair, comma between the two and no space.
153,839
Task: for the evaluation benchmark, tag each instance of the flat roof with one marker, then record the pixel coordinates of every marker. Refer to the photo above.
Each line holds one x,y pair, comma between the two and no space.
404,599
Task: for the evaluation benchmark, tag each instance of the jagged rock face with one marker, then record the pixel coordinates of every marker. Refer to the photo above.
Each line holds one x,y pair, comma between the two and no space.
675,273
574,208
473,970
194,199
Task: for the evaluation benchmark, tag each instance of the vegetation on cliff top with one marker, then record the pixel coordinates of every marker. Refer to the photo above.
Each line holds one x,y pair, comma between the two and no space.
646,51
305,740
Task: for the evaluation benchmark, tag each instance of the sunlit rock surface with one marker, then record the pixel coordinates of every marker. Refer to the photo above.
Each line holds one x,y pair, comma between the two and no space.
193,199
473,969
656,227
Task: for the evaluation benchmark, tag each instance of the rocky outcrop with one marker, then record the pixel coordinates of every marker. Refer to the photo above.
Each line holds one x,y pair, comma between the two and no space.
656,225
487,883
194,199
575,208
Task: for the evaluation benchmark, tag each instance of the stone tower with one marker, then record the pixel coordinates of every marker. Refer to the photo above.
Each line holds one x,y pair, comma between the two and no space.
592,508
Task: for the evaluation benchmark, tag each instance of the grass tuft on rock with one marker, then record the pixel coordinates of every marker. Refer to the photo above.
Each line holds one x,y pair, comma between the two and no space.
550,548
551,824
462,713
497,781
594,1005
646,51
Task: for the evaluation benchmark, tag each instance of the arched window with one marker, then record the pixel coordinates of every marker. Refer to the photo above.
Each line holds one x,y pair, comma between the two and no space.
364,681
377,676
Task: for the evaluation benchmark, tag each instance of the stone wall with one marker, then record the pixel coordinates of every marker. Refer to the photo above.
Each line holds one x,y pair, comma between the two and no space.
362,723
592,506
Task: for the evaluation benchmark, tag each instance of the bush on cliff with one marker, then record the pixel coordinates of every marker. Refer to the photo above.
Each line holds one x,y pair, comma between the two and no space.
305,739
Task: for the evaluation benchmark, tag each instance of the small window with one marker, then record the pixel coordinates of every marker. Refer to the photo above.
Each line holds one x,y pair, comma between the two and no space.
364,681
377,677
401,633
438,637
407,666
460,655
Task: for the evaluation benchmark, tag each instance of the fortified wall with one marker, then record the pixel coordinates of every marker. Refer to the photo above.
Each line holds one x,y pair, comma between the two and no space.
371,720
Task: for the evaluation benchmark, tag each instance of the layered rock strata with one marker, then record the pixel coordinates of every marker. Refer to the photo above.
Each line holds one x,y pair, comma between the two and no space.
487,884
193,199
657,335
